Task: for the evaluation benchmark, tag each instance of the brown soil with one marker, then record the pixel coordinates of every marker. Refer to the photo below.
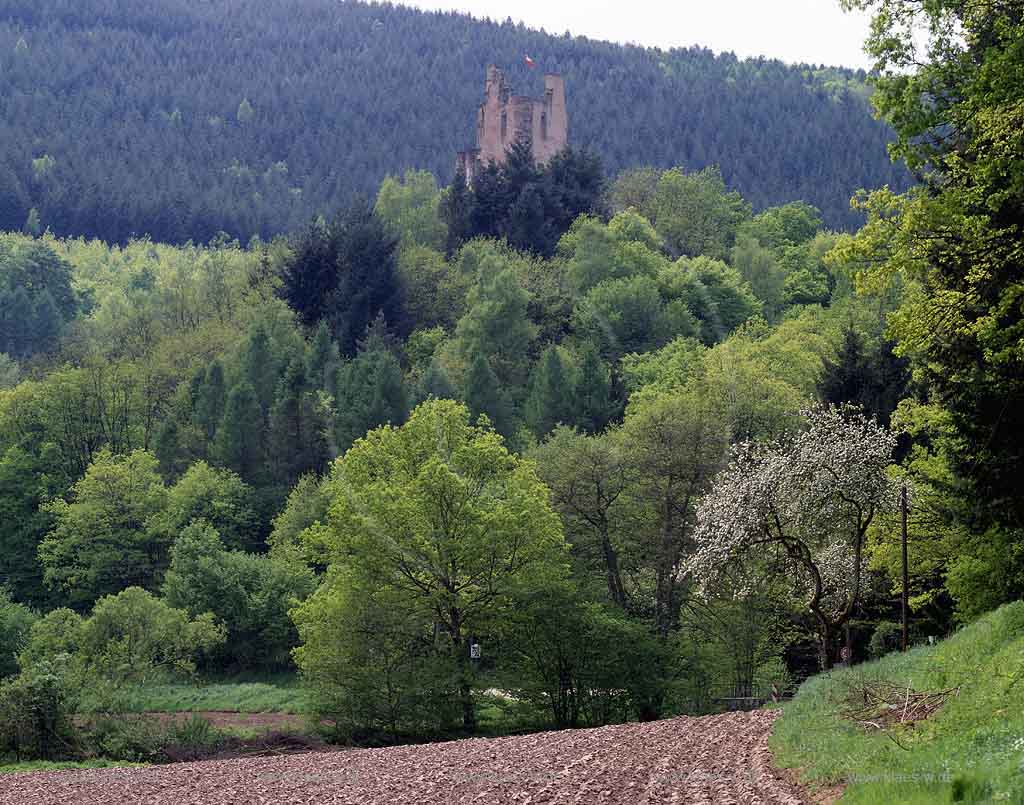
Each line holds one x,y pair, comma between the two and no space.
687,761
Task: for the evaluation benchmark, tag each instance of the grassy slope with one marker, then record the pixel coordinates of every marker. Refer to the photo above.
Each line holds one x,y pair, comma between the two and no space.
272,694
972,750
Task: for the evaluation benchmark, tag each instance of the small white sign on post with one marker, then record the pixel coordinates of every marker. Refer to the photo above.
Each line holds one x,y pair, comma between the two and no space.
474,651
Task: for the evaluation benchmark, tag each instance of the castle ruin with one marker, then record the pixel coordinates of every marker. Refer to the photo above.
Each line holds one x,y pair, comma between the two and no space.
505,118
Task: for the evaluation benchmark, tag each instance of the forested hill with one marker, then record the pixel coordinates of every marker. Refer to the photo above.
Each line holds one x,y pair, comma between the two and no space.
178,118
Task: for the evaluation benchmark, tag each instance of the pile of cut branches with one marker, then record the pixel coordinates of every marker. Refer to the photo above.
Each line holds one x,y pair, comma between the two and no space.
882,704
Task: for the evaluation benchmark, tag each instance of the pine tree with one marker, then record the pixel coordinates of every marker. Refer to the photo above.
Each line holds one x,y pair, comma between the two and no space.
482,394
210,400
239,444
369,393
593,397
167,448
436,383
296,439
550,400
368,284
312,273
323,354
457,212
259,367
846,378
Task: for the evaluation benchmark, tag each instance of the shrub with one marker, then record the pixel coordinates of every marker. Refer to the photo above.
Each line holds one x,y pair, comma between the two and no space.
15,622
35,714
129,637
249,593
134,636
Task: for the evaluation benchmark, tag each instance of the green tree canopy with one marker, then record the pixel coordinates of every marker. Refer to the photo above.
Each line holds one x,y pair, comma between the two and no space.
439,512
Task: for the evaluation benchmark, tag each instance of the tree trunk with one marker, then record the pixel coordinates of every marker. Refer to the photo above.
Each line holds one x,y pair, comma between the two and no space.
825,648
465,671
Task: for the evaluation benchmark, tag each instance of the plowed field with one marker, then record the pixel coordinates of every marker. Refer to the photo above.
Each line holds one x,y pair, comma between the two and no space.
690,761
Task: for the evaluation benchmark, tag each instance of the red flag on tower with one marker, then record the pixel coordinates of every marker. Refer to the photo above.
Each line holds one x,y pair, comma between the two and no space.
530,62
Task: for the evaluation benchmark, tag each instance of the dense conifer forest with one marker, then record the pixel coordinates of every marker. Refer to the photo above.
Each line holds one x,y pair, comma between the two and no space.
179,119
615,441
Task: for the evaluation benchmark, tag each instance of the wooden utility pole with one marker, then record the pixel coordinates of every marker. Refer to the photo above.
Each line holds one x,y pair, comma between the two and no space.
905,641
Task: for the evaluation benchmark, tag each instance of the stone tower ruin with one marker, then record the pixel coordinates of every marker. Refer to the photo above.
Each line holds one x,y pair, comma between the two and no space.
504,118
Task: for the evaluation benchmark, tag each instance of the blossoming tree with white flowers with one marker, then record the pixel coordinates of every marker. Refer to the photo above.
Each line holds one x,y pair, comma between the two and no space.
803,506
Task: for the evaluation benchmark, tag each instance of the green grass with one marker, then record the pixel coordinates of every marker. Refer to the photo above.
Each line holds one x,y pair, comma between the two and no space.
277,694
971,750
61,765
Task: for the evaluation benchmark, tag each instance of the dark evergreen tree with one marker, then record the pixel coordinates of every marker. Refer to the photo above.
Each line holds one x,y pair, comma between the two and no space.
210,400
240,443
297,431
260,367
311,275
876,380
168,450
437,384
550,401
175,74
368,285
482,394
370,393
457,213
322,355
593,400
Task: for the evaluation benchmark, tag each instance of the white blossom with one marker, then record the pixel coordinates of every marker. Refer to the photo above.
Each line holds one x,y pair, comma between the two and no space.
808,501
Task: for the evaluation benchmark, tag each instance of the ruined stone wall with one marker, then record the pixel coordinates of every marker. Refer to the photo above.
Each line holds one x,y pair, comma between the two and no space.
504,118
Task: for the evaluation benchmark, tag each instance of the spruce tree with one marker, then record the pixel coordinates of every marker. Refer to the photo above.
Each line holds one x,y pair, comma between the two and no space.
210,400
550,401
240,440
296,438
437,384
457,212
482,394
323,354
259,367
370,393
167,448
368,281
311,275
593,397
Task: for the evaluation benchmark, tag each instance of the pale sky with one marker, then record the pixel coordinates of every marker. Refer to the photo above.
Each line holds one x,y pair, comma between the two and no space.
813,31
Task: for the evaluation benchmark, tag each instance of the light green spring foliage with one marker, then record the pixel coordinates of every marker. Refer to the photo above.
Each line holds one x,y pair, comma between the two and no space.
249,594
129,637
696,214
497,323
757,378
393,518
625,247
434,289
713,292
15,622
409,209
213,494
432,523
100,543
968,751
629,315
118,527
